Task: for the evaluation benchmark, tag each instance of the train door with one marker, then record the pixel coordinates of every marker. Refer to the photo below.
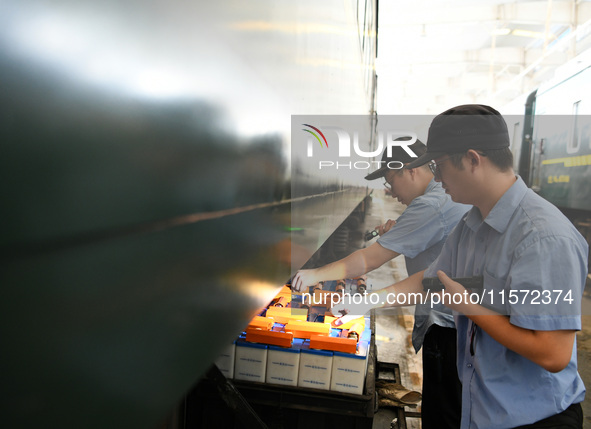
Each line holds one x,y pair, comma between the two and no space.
523,162
535,172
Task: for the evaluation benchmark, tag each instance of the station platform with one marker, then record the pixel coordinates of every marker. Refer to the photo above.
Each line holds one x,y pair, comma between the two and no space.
394,325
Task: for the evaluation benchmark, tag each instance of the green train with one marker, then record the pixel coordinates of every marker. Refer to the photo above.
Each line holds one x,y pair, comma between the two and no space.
551,142
148,189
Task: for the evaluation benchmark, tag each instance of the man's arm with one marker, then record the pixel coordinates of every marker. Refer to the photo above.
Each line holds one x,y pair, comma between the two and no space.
406,292
356,264
550,349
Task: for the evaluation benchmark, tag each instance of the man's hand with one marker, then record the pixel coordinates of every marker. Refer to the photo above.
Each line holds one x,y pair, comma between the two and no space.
451,297
303,279
382,229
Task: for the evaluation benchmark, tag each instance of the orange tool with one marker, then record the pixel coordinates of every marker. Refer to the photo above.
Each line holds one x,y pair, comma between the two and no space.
275,338
259,322
335,344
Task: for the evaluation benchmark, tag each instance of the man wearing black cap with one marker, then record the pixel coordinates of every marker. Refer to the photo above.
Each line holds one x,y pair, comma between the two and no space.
516,337
418,234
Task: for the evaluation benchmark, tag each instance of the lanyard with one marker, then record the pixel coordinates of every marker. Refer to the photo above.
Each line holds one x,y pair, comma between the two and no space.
472,335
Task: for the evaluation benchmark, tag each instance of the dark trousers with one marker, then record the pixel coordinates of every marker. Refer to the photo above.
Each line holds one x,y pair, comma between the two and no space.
442,390
571,418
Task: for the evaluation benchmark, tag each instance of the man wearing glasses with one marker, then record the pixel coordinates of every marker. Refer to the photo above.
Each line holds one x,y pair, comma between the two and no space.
418,234
517,355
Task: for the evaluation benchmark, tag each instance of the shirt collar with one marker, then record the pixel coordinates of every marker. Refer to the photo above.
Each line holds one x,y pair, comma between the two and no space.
501,213
432,185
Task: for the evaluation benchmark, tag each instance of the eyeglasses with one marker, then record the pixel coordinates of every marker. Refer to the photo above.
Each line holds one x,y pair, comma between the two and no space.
397,173
434,166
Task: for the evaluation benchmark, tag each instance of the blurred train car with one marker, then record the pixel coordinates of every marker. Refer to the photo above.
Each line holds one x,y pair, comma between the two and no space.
147,188
551,141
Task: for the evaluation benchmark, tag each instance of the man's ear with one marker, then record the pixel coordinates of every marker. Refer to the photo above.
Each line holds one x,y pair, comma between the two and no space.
473,157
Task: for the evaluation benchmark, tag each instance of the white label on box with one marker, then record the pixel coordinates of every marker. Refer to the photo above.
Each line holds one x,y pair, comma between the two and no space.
315,369
283,366
348,371
225,361
250,362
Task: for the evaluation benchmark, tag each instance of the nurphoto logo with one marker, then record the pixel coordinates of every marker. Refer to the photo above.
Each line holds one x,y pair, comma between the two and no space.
316,136
345,143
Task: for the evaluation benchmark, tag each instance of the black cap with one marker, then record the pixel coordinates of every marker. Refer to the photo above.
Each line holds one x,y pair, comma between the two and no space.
470,126
399,157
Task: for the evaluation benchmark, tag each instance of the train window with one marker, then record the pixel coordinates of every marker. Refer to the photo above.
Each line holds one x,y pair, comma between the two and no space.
575,136
586,133
516,133
515,143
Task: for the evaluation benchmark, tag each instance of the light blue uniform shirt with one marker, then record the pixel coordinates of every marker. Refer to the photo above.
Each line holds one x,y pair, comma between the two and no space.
527,248
419,234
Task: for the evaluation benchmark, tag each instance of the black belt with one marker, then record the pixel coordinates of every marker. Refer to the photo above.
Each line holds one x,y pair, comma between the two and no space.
571,418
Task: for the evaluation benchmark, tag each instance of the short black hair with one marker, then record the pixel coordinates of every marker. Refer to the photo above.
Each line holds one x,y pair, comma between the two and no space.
500,158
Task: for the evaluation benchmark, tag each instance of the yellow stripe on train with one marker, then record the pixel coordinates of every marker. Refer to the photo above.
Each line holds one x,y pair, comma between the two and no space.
572,161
